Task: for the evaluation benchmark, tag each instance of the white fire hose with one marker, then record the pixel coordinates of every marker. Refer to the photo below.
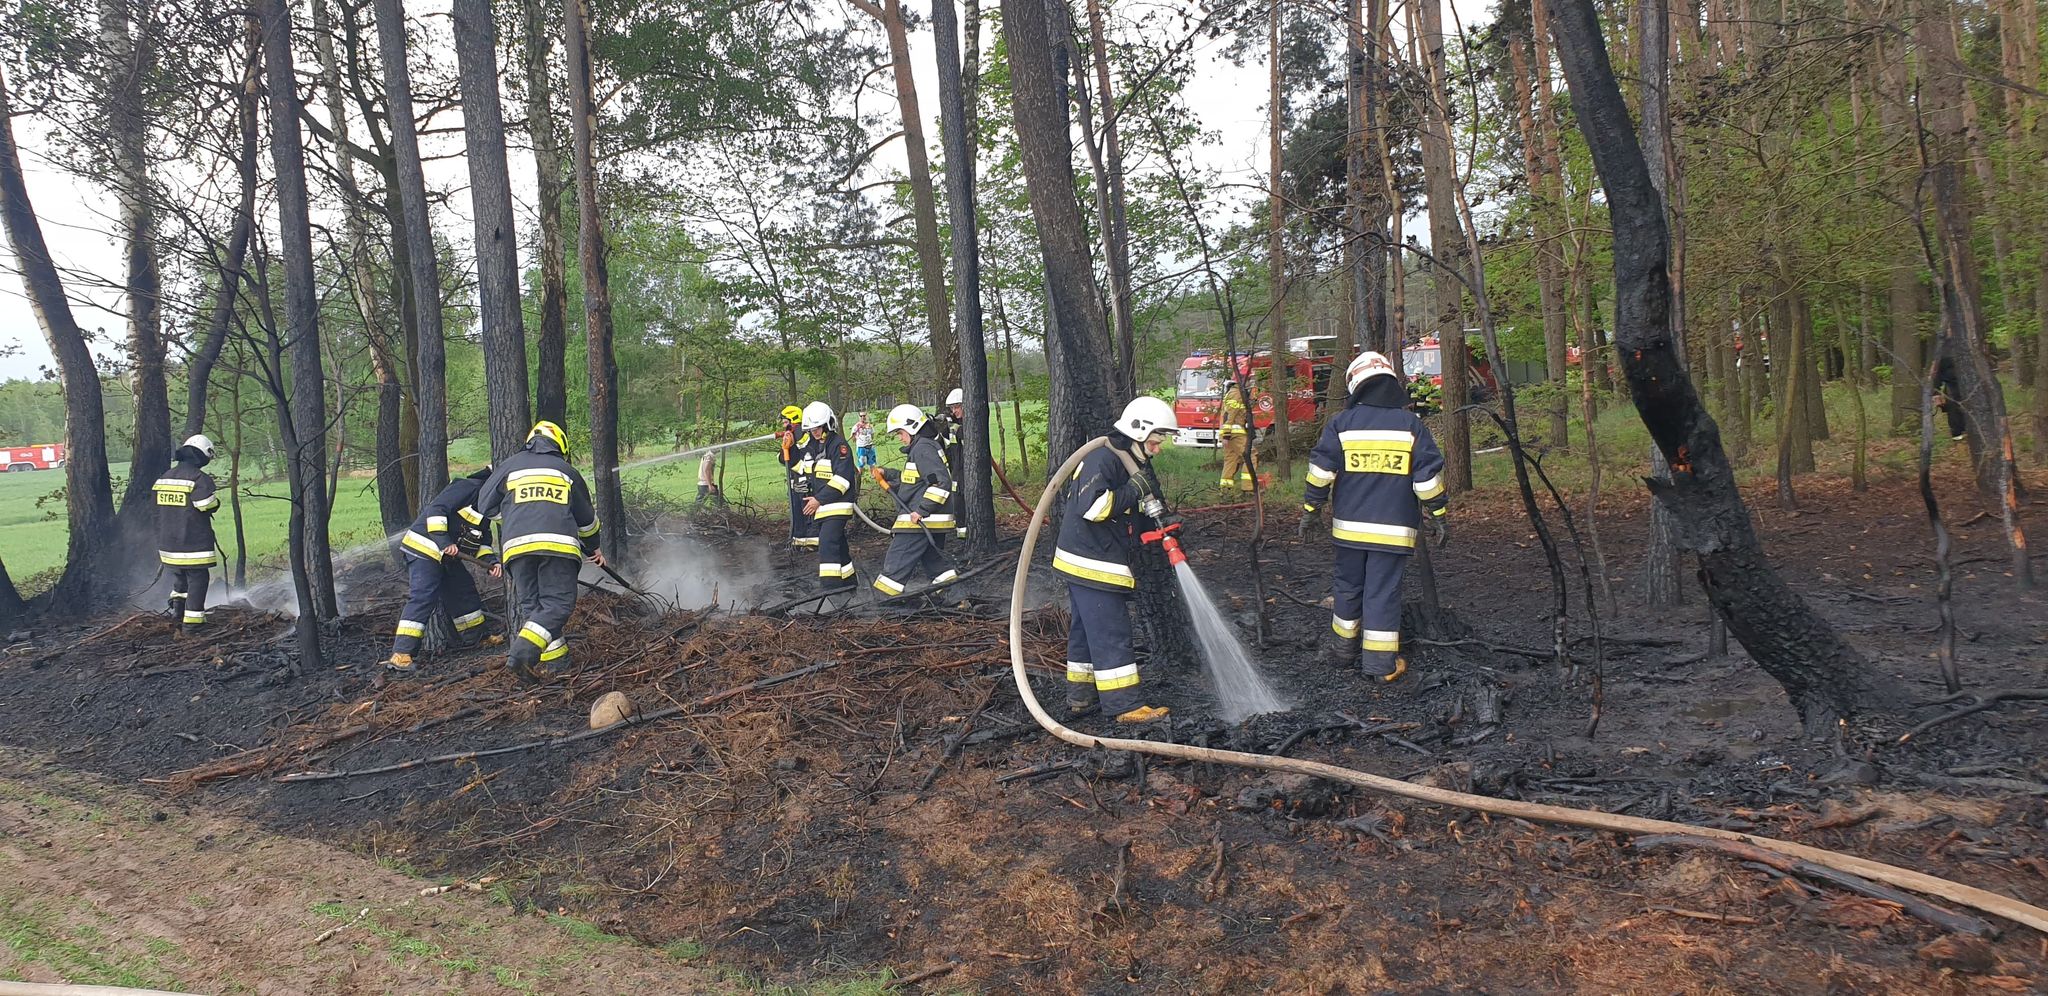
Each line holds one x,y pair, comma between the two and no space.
1979,899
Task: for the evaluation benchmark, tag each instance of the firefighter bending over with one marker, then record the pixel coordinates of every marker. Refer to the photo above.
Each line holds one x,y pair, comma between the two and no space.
827,466
923,493
448,528
1098,537
186,501
1380,461
952,418
546,526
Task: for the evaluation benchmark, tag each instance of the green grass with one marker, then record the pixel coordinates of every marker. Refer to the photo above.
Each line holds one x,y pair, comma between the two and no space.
39,933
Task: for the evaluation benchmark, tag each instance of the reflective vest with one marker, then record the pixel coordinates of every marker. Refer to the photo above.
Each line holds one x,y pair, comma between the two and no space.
828,464
451,517
1372,466
925,486
1096,538
185,503
541,503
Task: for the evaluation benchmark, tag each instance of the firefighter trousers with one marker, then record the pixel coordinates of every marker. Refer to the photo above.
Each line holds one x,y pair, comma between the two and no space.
1237,465
918,554
1365,603
1100,661
437,584
835,556
188,591
543,596
803,530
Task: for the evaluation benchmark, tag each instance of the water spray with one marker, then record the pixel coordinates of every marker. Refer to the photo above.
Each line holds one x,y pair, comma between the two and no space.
681,454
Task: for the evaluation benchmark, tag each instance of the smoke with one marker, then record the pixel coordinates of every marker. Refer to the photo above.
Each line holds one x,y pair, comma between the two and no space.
691,572
273,591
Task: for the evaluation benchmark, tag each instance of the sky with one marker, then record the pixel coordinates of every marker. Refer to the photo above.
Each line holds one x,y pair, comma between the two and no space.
78,217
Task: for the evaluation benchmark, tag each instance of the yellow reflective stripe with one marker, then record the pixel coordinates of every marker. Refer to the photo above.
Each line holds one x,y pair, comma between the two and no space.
1081,671
542,474
839,484
1091,569
937,521
173,558
470,515
437,523
542,542
1439,511
886,586
1382,639
835,570
172,484
1376,436
1320,477
588,531
407,627
421,545
554,650
470,621
946,577
1430,488
937,494
1111,679
1346,628
535,634
192,617
1373,532
207,504
1105,503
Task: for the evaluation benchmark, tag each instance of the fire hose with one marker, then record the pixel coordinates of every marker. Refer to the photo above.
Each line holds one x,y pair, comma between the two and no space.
1979,899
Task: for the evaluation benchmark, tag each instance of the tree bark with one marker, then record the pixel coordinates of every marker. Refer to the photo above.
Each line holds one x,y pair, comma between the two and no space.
497,245
1276,240
226,293
1077,343
1542,232
301,330
423,269
89,505
1446,241
1825,678
1357,328
924,209
550,391
1549,231
1116,227
597,294
978,491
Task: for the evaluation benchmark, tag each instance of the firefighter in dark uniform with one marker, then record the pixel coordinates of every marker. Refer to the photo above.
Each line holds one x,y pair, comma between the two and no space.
953,419
448,528
1378,470
1236,444
186,501
829,478
546,526
923,492
1098,536
796,446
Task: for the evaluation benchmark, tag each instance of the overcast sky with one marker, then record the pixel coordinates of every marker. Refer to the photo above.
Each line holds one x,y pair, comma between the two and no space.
79,218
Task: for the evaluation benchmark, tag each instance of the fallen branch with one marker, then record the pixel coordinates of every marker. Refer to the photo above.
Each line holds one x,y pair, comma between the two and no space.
1940,916
563,741
924,976
1978,703
960,740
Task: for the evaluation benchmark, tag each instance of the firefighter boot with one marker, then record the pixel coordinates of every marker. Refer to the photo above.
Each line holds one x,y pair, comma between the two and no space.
1142,714
1339,651
1385,665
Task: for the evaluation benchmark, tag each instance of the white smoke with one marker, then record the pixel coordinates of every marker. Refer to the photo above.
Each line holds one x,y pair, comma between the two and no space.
690,572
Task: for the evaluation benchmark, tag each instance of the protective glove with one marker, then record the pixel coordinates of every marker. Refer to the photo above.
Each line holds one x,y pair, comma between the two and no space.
1301,528
1152,507
1439,530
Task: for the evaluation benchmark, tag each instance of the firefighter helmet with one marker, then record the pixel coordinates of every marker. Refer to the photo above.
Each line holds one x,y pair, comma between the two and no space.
202,444
908,418
816,415
955,397
791,413
553,433
1365,367
1144,416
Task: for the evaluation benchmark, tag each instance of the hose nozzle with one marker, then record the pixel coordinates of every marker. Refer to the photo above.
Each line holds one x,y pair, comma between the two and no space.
1163,536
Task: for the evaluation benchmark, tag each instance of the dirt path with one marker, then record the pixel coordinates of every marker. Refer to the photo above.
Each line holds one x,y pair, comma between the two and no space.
98,885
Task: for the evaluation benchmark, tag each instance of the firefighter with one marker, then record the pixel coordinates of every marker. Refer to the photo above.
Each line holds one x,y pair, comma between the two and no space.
923,492
830,493
447,529
796,445
1375,461
1237,465
186,501
546,526
1098,536
953,417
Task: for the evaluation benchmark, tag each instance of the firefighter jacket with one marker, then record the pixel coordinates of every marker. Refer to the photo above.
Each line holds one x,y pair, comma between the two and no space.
185,502
1374,462
796,450
1233,414
541,504
827,465
950,438
925,486
452,518
1097,540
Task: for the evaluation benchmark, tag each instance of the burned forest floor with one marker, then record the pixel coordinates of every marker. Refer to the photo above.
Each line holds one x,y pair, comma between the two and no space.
814,797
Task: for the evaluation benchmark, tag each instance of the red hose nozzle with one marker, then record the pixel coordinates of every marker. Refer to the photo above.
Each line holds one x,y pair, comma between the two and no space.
1165,538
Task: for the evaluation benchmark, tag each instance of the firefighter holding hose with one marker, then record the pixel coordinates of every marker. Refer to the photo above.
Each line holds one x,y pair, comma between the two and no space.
923,492
447,529
186,501
1380,473
796,445
1099,534
546,527
827,466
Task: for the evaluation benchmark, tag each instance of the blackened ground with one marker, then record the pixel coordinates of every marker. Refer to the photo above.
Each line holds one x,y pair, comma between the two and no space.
821,823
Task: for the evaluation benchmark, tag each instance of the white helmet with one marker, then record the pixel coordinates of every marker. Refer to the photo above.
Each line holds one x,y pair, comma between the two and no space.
908,418
1144,416
816,415
1365,367
202,444
955,397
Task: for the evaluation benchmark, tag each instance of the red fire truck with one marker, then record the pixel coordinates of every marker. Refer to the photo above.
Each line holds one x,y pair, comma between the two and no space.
1425,360
49,457
1198,393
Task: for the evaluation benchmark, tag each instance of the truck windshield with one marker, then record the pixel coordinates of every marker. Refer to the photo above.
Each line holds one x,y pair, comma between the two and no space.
1200,382
1421,362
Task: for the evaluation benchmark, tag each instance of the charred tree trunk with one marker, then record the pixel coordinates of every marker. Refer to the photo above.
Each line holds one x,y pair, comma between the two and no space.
977,496
1543,233
1077,344
89,508
1825,678
1357,328
301,331
550,389
423,269
1440,179
199,370
597,294
128,56
1116,228
1276,242
497,247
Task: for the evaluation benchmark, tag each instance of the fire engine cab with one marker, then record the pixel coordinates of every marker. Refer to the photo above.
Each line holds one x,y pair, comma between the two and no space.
49,457
1198,392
